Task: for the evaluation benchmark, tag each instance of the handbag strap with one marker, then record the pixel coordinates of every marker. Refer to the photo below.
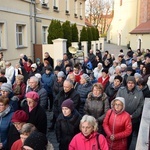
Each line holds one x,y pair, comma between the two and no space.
97,138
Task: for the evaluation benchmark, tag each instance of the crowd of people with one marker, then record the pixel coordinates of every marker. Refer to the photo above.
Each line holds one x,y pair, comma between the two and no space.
96,104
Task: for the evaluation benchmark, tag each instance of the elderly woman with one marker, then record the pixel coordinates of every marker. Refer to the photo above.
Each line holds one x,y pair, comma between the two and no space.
19,87
36,113
117,125
19,118
88,138
97,104
5,120
25,131
83,89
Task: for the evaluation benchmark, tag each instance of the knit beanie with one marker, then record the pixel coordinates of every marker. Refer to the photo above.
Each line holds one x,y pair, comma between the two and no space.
68,103
19,116
86,77
36,141
33,95
6,87
131,78
61,74
137,75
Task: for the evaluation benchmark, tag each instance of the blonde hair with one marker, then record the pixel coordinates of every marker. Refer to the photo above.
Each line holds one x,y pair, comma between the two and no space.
91,120
20,77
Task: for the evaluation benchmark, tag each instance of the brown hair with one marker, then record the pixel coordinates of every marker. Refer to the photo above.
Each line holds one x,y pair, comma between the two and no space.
98,86
4,100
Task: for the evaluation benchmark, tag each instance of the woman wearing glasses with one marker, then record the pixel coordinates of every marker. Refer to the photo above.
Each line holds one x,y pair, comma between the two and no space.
117,125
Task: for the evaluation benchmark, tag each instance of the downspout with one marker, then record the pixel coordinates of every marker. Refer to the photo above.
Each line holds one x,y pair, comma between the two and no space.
31,28
35,23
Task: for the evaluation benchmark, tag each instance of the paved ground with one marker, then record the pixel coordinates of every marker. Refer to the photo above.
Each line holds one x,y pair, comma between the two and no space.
113,49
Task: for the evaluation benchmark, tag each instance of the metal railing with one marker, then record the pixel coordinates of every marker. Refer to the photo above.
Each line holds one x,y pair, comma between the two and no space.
143,140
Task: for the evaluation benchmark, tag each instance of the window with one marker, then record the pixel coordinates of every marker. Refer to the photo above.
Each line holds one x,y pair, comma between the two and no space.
3,44
20,35
80,10
75,8
44,35
55,6
45,3
67,6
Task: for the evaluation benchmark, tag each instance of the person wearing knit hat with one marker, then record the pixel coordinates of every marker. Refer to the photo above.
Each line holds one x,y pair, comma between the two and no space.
6,90
37,114
61,74
83,89
18,119
131,79
134,100
85,77
6,87
36,141
32,95
19,116
137,76
67,124
115,114
69,104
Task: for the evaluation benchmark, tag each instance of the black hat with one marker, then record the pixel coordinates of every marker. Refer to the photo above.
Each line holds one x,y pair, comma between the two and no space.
57,68
36,140
129,68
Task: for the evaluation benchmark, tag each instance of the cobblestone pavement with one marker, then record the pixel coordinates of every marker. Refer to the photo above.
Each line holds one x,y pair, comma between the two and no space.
113,49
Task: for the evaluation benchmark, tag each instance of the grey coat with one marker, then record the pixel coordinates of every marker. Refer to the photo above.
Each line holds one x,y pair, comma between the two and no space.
133,101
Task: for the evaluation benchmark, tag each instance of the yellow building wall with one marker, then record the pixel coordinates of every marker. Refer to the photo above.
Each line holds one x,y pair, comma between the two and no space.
145,38
125,20
13,12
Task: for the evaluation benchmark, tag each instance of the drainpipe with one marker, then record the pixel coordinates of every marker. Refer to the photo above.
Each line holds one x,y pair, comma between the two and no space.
35,22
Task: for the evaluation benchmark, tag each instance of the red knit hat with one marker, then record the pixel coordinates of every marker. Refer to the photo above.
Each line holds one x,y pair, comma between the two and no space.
19,116
33,95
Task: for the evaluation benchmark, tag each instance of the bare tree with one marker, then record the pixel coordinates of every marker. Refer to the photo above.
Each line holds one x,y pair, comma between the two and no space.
99,11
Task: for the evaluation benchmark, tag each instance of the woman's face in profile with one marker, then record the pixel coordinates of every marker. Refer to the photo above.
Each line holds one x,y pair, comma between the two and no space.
86,129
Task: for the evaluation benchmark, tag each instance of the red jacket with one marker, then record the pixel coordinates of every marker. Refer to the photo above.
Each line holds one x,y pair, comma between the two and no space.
17,145
80,142
119,125
103,82
77,76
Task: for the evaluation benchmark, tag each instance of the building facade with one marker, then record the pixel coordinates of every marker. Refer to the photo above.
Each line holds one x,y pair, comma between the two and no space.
131,24
24,23
126,18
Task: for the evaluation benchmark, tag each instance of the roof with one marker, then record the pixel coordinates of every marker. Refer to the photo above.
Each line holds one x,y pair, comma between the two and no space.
143,28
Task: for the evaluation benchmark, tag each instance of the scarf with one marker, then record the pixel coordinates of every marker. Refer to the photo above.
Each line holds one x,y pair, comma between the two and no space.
5,112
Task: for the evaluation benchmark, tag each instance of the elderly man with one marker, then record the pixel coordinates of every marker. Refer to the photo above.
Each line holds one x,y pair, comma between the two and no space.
34,85
67,92
133,105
